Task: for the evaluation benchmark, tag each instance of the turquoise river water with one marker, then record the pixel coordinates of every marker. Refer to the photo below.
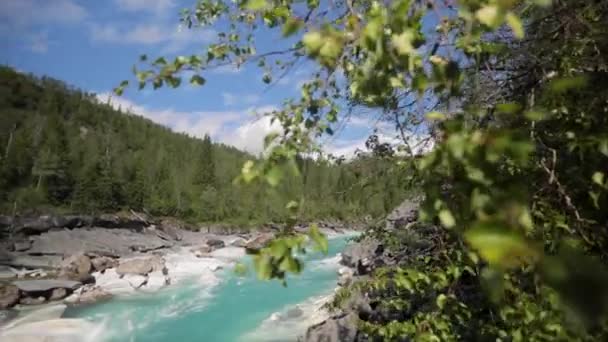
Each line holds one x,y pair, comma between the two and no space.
235,309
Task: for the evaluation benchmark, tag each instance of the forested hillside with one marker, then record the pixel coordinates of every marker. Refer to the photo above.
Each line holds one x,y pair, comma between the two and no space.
64,150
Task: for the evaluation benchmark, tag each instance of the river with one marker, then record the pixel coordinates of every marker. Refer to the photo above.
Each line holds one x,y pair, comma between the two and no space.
227,308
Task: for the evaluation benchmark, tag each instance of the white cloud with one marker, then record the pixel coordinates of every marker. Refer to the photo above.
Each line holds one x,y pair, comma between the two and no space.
231,99
235,128
151,34
157,6
249,136
26,13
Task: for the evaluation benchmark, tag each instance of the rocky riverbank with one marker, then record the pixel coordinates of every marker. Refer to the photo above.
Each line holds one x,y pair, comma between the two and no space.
82,260
359,260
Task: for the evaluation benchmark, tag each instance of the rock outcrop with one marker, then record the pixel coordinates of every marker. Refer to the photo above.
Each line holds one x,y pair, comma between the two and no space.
362,256
340,328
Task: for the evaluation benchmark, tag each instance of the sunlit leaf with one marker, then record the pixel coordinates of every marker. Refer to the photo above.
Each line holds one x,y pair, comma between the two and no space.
499,245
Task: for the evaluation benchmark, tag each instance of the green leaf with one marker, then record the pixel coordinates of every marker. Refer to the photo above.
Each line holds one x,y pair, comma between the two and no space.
441,300
256,5
499,245
291,26
313,41
435,116
197,80
516,25
403,42
318,238
564,84
490,15
274,176
598,178
446,218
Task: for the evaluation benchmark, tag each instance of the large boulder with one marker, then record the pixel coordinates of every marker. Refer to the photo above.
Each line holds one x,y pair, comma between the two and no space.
134,266
340,328
76,267
259,242
141,266
238,242
101,264
361,255
172,228
135,221
9,296
405,213
216,243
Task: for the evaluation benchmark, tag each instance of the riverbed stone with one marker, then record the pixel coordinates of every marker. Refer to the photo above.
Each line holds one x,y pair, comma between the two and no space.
45,285
216,243
58,293
141,266
9,296
102,263
32,300
76,267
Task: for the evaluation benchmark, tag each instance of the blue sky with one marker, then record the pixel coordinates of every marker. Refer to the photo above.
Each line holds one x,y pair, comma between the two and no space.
93,44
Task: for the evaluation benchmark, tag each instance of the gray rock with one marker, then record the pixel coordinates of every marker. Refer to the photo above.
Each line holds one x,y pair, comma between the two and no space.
9,296
141,266
341,328
58,293
21,246
134,266
238,242
101,264
93,295
216,243
260,241
45,285
22,260
123,220
172,228
98,241
406,212
77,267
32,300
361,255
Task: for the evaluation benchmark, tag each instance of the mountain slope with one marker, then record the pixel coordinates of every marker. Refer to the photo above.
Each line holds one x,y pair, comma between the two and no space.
61,149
